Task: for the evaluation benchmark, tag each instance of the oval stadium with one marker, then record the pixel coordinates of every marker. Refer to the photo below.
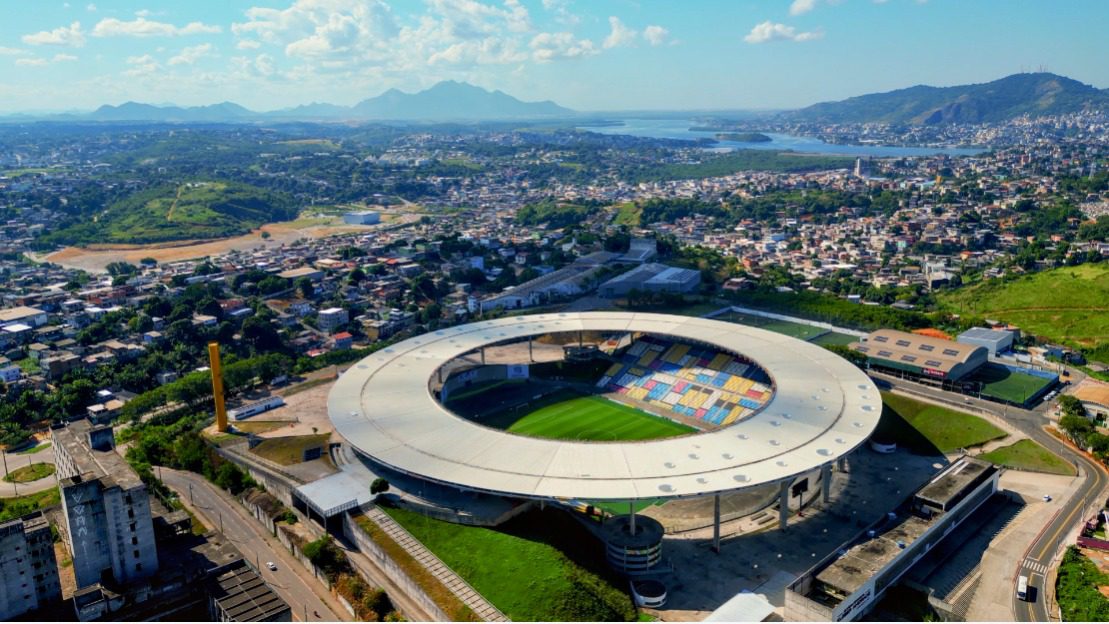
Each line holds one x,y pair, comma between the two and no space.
634,407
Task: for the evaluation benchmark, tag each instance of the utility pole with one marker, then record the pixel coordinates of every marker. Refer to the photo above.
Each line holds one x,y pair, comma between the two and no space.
191,494
14,484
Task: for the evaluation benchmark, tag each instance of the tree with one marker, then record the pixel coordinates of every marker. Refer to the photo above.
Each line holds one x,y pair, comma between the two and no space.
1071,406
305,288
379,486
231,478
260,334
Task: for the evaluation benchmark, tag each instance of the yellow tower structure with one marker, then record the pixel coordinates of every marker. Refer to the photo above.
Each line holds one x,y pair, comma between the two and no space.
217,386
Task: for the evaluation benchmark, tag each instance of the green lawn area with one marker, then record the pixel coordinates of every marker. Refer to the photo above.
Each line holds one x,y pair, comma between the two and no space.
22,505
260,426
569,415
925,428
834,338
539,566
27,474
1001,383
1073,314
686,309
290,449
29,365
627,213
34,449
1076,589
796,330
1029,455
621,508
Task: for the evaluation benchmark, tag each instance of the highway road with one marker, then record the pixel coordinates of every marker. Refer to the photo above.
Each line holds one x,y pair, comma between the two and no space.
216,507
1083,501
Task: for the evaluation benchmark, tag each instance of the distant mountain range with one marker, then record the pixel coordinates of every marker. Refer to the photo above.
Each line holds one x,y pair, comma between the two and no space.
1012,96
446,101
1020,94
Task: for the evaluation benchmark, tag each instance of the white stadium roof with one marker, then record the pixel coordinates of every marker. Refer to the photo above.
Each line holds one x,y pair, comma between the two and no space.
822,408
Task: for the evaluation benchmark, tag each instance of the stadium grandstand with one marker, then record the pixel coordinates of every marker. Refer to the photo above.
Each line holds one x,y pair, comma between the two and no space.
701,383
922,356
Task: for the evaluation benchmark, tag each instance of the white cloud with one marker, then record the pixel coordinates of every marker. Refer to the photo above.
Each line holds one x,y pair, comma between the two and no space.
264,64
142,27
191,54
655,35
64,35
12,52
619,35
62,58
248,44
31,62
770,31
91,8
561,10
364,36
144,65
799,7
547,47
199,28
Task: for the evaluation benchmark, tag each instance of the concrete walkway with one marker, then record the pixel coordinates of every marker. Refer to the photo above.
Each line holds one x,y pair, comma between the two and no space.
460,588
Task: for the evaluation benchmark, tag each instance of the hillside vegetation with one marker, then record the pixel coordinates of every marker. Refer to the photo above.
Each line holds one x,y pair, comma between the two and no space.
189,211
1065,305
1000,100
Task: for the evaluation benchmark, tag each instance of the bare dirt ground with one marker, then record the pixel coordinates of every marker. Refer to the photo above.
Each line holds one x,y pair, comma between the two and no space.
306,411
95,258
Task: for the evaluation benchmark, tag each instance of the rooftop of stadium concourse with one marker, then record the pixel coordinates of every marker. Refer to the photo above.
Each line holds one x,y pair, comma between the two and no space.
822,409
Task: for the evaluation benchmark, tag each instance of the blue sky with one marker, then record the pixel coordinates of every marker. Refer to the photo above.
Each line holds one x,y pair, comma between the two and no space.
585,54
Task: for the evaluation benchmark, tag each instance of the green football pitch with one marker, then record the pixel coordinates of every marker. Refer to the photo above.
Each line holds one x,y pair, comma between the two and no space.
568,415
999,382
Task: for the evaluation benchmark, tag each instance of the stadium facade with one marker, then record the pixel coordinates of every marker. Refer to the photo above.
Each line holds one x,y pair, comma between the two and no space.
821,408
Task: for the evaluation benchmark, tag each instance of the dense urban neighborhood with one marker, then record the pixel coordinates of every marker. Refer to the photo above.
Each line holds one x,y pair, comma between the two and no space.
149,272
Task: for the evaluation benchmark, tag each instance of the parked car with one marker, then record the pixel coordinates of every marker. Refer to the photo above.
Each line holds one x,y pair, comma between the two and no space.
271,565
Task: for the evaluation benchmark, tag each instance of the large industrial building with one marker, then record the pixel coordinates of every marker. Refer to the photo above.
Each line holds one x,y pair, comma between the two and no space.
847,584
109,531
996,341
651,277
922,356
27,564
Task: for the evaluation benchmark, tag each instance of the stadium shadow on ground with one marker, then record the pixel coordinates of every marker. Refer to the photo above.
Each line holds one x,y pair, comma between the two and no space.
893,428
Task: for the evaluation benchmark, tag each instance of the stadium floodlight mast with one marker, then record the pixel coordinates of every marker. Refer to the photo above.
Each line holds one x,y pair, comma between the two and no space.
821,409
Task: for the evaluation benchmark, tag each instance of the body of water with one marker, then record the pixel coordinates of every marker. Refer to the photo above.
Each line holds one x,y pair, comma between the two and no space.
680,129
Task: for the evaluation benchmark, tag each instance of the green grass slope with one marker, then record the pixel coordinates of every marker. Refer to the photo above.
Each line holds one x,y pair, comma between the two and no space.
1065,305
1029,455
926,429
539,566
193,210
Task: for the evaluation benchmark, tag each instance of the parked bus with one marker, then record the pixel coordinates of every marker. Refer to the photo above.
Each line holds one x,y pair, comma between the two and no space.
1022,587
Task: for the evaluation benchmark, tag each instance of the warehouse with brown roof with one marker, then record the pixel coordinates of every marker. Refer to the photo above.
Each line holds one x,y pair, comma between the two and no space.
921,355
